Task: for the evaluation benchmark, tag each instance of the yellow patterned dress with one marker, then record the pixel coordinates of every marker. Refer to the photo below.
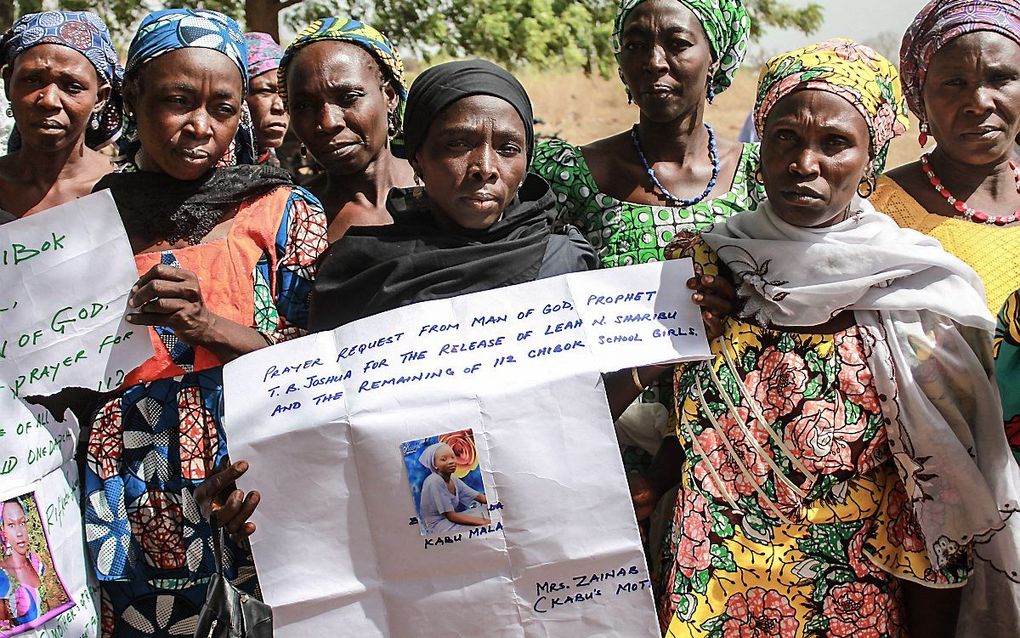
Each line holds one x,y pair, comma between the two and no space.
791,520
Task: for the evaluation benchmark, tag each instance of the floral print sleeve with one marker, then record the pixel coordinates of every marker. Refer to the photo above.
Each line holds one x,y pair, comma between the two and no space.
281,310
791,520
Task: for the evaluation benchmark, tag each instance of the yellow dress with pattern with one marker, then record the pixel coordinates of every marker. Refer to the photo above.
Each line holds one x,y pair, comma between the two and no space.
791,520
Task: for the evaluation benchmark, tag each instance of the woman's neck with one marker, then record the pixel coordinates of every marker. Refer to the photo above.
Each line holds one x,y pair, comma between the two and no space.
995,181
678,140
367,189
17,560
43,168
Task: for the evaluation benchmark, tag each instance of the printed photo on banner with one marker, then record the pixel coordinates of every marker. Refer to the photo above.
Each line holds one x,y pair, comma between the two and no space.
446,483
31,590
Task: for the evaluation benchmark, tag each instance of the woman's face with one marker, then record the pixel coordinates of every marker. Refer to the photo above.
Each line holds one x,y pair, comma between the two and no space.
814,153
445,460
972,97
187,104
54,90
338,104
15,527
267,110
473,160
665,59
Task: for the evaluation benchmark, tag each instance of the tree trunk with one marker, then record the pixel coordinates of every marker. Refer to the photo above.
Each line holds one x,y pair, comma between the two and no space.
7,12
264,16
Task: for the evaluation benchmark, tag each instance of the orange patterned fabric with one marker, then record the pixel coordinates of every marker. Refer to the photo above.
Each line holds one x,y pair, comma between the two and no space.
225,266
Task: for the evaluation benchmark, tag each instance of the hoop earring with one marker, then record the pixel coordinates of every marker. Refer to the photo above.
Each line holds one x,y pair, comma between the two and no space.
417,180
867,187
10,111
922,137
758,175
303,150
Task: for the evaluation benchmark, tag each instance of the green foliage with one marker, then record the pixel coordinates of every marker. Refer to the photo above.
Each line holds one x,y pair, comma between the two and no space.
541,33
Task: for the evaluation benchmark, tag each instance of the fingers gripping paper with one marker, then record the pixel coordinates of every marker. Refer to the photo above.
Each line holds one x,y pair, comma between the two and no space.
450,468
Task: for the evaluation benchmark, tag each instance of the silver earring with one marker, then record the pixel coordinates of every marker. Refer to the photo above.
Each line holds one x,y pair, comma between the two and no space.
95,124
10,111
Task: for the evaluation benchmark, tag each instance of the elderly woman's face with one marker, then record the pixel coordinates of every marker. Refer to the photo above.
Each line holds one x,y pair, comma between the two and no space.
339,105
267,112
15,527
972,97
188,105
815,150
54,90
473,160
665,59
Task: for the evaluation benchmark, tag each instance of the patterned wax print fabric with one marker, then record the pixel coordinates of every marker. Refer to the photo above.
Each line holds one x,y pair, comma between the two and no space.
364,36
855,72
264,54
938,23
1007,368
791,519
87,34
727,27
159,436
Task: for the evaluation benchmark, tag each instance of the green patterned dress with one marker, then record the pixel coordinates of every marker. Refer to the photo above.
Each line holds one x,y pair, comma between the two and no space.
625,233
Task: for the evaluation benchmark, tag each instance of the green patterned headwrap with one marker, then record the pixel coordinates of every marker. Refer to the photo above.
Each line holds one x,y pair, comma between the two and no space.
726,25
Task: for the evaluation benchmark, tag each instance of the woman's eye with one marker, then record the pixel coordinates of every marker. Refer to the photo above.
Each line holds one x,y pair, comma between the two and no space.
509,150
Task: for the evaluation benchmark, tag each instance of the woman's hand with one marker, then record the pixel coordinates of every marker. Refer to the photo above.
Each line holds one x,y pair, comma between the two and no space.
172,298
218,496
717,298
644,494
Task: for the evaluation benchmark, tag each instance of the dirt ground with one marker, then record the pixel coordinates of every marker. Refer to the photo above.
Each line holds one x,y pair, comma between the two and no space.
581,109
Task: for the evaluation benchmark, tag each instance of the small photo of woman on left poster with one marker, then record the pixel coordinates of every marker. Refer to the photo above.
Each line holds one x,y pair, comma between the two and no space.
31,590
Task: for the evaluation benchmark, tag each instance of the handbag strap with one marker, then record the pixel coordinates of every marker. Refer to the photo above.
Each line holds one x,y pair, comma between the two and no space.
219,546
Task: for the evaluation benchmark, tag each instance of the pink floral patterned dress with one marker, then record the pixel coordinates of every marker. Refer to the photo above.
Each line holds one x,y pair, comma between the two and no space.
791,520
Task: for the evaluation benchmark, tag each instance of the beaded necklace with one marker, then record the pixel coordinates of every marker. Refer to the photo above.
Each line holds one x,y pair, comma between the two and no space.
963,210
713,154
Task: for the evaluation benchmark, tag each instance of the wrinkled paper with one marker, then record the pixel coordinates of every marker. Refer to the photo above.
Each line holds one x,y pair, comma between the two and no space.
322,420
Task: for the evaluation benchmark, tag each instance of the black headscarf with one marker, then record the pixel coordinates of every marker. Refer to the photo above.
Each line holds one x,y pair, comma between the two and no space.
373,269
157,207
442,85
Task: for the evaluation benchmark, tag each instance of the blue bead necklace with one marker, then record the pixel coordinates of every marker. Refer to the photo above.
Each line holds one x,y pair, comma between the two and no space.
713,154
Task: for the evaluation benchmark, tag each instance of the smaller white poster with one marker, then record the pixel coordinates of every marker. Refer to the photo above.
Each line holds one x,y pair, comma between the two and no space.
67,273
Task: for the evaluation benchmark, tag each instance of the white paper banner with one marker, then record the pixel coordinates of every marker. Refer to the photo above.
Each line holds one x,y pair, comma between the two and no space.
353,534
66,275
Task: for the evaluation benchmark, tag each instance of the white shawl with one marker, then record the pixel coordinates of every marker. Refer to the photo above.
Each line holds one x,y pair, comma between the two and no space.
930,335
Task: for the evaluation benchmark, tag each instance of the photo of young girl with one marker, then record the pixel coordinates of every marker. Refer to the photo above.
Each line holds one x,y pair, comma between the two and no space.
31,591
446,483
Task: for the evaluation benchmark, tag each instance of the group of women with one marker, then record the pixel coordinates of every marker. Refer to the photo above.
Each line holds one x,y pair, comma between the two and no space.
839,466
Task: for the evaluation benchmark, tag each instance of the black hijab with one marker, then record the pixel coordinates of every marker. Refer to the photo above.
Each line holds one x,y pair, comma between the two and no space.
442,85
373,269
157,207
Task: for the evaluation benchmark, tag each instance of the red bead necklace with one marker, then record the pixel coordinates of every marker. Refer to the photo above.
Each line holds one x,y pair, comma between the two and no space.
965,211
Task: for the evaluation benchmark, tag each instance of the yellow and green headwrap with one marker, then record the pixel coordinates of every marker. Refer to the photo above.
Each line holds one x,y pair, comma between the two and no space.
855,72
726,25
355,32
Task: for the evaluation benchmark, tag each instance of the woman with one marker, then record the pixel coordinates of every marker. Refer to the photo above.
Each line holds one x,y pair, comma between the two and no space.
632,192
22,588
64,83
479,222
268,113
961,62
226,257
342,82
841,465
445,499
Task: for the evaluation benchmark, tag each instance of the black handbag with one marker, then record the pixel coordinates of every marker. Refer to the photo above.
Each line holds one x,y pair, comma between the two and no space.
229,612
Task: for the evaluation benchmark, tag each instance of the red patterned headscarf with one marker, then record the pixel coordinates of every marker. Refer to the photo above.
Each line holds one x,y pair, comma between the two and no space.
942,21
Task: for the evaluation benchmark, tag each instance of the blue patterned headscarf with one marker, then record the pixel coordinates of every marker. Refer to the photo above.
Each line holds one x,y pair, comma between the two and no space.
87,34
171,29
